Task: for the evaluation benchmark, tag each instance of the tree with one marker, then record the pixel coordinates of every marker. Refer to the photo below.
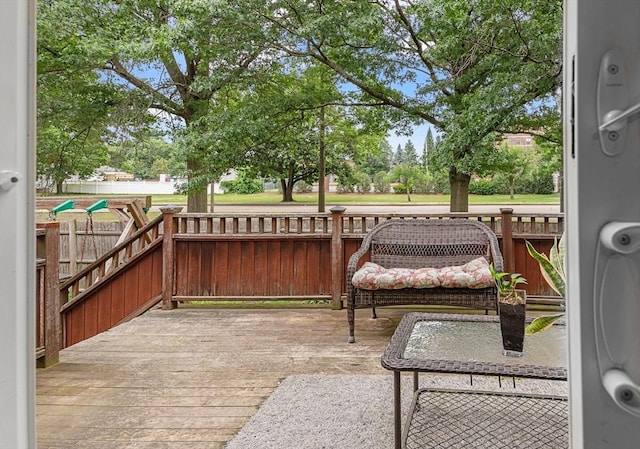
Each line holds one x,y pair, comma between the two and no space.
147,158
379,160
74,109
512,162
408,176
398,156
429,148
278,127
410,154
184,57
69,131
472,69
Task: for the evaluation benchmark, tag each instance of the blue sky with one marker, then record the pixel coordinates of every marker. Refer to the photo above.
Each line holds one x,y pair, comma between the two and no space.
418,137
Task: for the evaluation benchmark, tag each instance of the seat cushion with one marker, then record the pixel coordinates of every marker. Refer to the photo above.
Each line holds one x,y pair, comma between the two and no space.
474,274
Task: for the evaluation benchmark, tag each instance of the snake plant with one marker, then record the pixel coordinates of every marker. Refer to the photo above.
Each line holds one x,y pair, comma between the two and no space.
552,269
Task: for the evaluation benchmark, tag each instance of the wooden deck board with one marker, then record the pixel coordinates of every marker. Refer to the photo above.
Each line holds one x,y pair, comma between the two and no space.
191,378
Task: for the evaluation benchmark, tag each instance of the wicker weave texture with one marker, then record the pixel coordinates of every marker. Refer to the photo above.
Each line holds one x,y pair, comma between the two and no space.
464,419
417,243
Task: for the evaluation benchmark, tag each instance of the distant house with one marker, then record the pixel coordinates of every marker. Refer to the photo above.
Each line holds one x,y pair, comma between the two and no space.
117,176
518,140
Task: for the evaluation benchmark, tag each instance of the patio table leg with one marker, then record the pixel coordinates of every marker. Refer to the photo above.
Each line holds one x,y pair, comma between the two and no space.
396,410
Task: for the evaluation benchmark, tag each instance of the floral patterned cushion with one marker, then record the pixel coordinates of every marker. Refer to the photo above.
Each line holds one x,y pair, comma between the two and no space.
474,274
479,273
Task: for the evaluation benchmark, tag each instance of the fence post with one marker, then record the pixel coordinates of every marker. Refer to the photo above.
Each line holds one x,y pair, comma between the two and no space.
168,255
337,254
49,250
73,246
507,238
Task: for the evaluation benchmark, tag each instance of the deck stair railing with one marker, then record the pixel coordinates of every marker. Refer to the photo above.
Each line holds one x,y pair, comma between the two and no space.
108,264
121,284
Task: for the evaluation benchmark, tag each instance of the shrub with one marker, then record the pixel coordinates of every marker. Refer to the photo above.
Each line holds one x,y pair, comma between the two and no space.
424,184
354,181
381,182
482,187
399,188
302,187
540,183
363,182
243,184
440,181
346,184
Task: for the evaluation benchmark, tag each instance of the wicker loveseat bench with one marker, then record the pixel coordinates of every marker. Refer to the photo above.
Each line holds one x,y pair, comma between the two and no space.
410,260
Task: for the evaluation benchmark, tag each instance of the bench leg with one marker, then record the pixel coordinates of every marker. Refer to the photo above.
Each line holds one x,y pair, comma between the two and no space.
351,319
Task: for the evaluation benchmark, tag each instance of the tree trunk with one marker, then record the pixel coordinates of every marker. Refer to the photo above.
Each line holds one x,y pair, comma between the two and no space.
512,188
459,183
561,190
321,168
196,200
59,187
213,196
287,191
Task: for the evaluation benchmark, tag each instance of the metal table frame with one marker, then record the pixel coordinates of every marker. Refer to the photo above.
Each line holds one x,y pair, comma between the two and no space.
486,419
393,359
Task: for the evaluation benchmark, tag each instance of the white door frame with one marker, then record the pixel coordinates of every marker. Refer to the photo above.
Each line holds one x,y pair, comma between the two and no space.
17,228
601,188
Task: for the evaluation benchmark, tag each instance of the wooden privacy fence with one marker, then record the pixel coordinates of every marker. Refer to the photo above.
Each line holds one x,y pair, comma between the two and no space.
82,242
303,257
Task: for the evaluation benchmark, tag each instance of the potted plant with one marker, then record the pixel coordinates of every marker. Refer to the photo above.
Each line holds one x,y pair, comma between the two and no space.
511,310
552,269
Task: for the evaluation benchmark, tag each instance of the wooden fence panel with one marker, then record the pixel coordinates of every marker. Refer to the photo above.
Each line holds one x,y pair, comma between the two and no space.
80,245
246,268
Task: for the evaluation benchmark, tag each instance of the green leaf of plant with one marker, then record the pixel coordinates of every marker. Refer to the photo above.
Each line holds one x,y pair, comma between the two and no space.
556,256
550,273
542,323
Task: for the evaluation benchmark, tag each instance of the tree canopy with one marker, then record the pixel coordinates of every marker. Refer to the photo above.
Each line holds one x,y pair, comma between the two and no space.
182,57
473,69
285,86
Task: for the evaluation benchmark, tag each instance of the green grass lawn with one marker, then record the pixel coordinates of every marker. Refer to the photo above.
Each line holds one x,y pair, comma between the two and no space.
371,198
308,199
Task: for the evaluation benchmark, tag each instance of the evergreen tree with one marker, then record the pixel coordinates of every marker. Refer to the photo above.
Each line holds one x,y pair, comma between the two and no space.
429,148
410,154
398,156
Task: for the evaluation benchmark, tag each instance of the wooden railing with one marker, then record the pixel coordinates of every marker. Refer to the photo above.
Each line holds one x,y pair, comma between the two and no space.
108,264
180,257
121,284
301,257
48,330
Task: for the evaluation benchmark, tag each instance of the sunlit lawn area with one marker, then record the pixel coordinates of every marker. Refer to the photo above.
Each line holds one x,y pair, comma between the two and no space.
275,197
344,198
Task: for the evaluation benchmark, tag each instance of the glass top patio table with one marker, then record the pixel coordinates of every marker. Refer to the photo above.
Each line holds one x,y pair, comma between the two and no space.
469,344
472,344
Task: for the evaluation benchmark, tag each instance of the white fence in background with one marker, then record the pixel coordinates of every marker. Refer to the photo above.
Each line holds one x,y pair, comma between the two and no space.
126,187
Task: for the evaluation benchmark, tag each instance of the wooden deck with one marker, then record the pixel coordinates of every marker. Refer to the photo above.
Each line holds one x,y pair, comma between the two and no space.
190,378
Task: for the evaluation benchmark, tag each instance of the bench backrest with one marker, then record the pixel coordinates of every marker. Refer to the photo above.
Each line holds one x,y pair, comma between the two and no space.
416,243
